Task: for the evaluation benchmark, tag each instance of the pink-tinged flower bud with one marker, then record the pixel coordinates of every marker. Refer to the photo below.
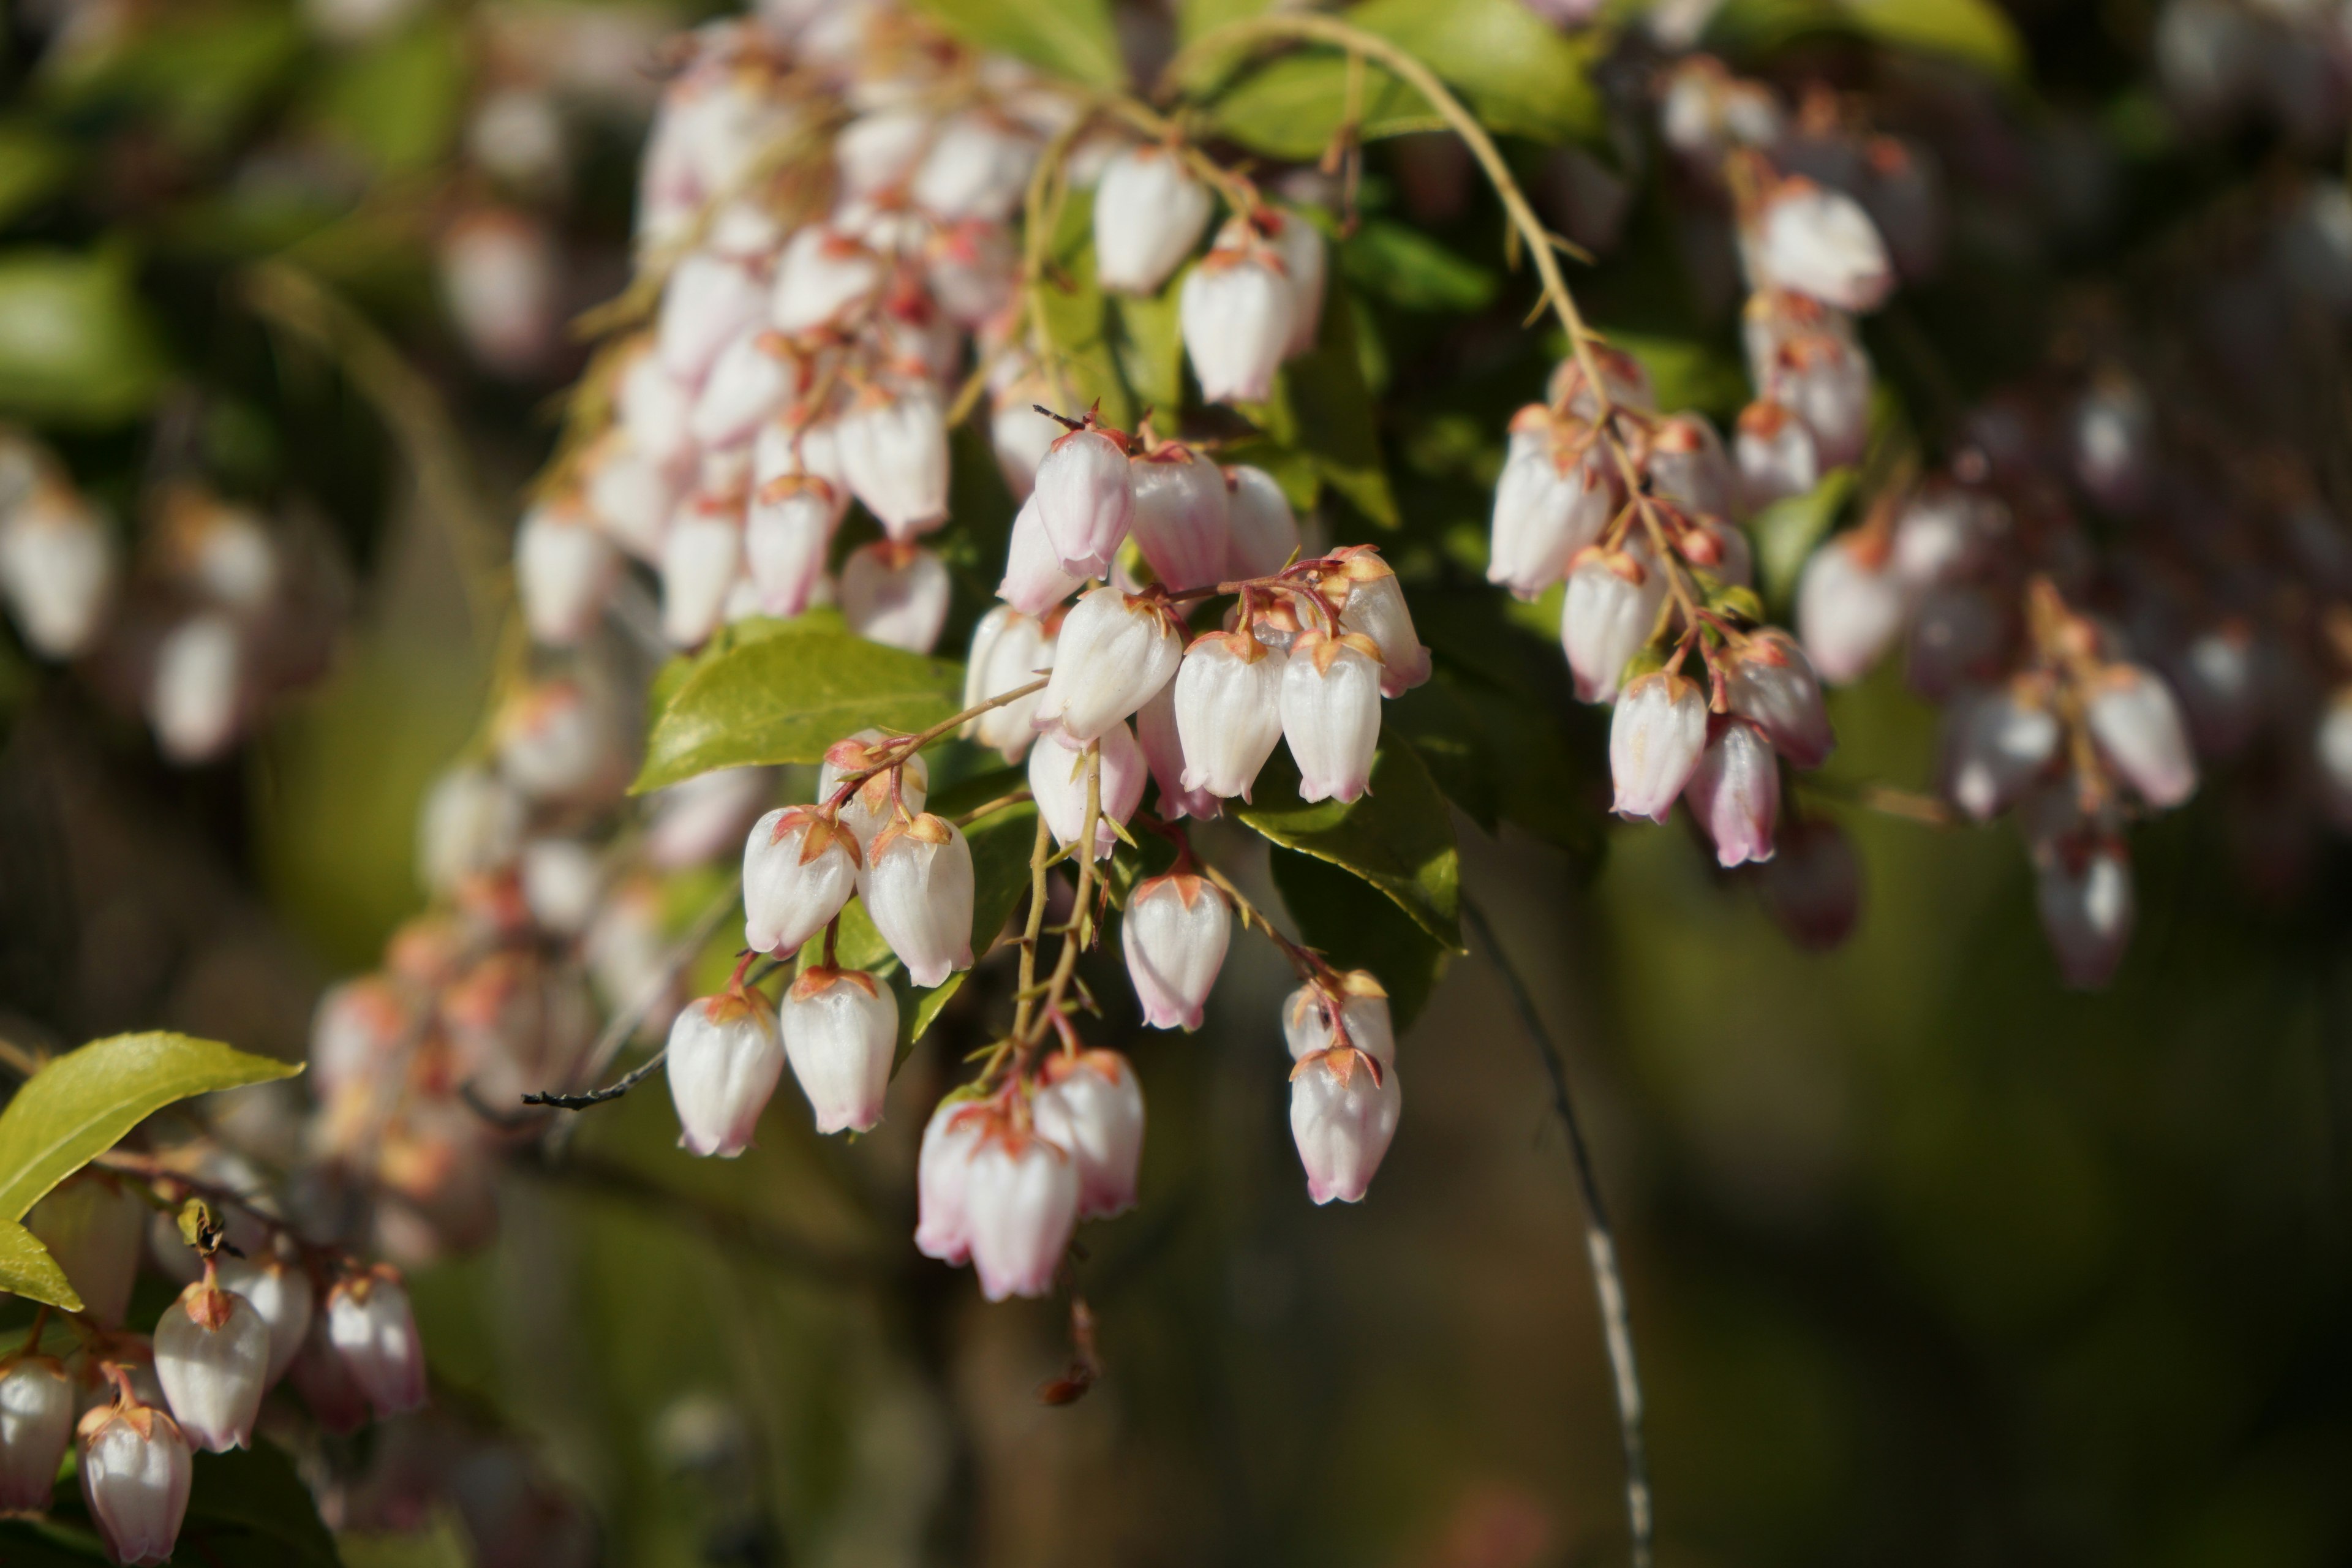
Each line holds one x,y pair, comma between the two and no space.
197,694
1162,743
1777,455
371,1327
877,801
1621,376
1944,534
631,496
1034,579
1263,530
1372,605
1086,498
2082,889
1057,777
1090,1106
707,303
841,1035
1228,699
552,741
701,557
498,277
57,570
1181,521
695,821
786,534
564,572
1114,652
942,1229
879,148
1771,681
1734,792
319,1375
1237,312
653,407
1009,650
212,1356
723,1062
1021,435
37,1420
800,441
135,1470
280,1295
917,886
894,450
895,595
1299,244
972,270
1331,705
1822,243
751,378
1997,744
92,1226
1824,378
471,822
978,167
1021,1202
1554,498
1655,741
1688,466
820,276
1849,607
2137,725
358,1024
1609,613
1813,888
1149,214
1174,935
799,866
1344,1107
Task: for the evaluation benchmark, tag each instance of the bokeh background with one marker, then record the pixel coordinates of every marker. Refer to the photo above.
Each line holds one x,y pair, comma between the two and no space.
1929,1259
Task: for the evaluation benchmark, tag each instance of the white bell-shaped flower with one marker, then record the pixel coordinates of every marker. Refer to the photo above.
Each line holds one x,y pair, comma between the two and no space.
1734,792
701,557
653,407
799,866
723,1062
1371,604
1090,1106
1343,1115
820,277
212,1356
1300,245
1363,1014
1687,464
1771,681
1997,743
1608,614
1058,778
1086,498
705,305
58,569
1849,607
2082,889
1655,737
1008,650
564,572
1553,499
1021,1202
1113,653
1019,435
1237,312
552,741
135,1470
1777,455
894,451
918,887
1821,242
1181,522
36,1421
1262,530
841,1035
942,1228
1330,704
877,799
1228,701
197,694
371,1326
1033,581
2137,723
631,497
751,378
1174,935
787,532
1149,214
895,595
280,1293
1162,743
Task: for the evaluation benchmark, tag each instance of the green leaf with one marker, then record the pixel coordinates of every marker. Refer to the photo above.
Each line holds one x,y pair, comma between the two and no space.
1522,76
1196,19
1398,836
1499,762
1149,339
1356,932
1688,373
1786,532
75,341
1290,107
397,102
1075,322
1322,409
785,696
32,164
248,1507
1974,32
81,1104
26,1269
1407,268
1071,39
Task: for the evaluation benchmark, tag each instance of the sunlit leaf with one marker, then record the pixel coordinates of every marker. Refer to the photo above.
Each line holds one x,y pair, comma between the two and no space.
1397,836
1291,106
75,341
1407,268
81,1103
1072,38
1976,32
1522,76
26,1269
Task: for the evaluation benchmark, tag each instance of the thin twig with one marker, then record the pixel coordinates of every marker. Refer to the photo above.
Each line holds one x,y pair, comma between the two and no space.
1599,1244
991,808
613,1090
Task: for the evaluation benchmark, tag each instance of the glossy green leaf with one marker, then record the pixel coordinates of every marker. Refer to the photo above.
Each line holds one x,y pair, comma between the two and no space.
1332,915
785,696
81,1103
1522,76
1149,339
1975,31
1407,268
1071,39
1291,106
1322,409
1786,532
75,341
1074,320
1397,836
26,1269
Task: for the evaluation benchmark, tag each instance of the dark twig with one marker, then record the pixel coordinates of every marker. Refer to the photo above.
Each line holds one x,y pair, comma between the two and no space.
1599,1244
614,1091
